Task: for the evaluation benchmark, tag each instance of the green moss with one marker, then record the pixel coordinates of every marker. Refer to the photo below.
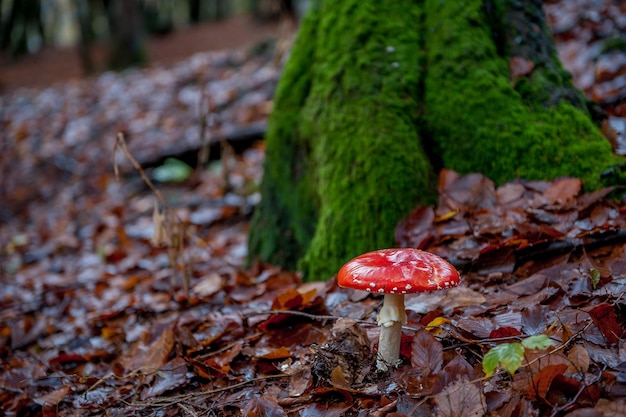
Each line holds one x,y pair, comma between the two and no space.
361,117
473,110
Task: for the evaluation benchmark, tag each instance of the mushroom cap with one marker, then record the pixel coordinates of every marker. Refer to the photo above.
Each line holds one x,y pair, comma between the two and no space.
398,271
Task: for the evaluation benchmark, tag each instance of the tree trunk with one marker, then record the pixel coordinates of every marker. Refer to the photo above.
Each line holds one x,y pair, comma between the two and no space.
376,94
128,39
23,23
83,12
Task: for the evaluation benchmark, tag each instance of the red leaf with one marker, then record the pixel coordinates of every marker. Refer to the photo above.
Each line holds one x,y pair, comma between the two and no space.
67,358
605,318
427,353
502,332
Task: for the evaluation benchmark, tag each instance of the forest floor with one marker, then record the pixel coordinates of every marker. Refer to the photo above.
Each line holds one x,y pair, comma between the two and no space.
127,296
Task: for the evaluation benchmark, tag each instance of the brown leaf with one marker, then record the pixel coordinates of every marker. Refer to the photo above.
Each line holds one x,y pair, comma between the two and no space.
520,67
456,368
611,408
414,231
223,360
542,381
509,193
272,353
338,379
263,406
149,357
52,398
427,353
579,358
467,192
208,285
563,191
169,377
461,397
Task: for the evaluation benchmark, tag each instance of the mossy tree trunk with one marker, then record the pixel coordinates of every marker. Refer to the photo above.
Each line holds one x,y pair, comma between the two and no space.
377,96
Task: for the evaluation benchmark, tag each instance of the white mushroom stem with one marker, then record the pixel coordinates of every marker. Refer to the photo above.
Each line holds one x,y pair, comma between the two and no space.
390,319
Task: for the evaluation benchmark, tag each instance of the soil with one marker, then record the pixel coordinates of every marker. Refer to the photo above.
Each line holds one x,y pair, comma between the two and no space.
53,64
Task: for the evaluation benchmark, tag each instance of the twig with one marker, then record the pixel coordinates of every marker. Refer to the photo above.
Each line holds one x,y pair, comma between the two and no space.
175,246
166,401
120,142
318,317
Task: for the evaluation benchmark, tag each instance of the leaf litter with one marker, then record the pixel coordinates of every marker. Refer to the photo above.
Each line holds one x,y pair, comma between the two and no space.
97,317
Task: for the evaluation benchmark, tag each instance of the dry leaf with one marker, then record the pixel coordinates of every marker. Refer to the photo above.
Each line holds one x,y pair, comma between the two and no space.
426,353
579,360
520,67
461,398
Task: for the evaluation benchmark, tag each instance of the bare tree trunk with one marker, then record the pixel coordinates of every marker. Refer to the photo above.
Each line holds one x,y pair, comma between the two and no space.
83,15
128,39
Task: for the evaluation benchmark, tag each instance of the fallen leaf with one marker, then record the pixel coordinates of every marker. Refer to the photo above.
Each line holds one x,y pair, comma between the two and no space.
579,360
605,318
414,231
563,191
172,375
263,406
149,358
426,353
520,67
542,381
460,397
52,398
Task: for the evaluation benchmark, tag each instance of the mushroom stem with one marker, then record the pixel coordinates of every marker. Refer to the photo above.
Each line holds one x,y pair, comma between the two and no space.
390,319
389,346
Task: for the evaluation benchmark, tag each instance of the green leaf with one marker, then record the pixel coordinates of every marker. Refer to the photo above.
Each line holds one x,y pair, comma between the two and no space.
172,170
594,274
540,341
508,355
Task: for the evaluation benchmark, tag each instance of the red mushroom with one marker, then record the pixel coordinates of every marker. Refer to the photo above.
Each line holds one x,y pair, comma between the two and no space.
395,272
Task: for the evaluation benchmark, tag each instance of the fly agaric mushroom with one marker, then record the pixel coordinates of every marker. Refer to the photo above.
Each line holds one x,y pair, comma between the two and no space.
395,272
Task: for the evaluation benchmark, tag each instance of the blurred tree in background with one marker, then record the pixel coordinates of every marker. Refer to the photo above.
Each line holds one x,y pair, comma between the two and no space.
122,25
22,26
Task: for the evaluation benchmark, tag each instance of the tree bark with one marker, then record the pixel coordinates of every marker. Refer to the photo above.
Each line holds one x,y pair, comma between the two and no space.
127,32
376,94
83,12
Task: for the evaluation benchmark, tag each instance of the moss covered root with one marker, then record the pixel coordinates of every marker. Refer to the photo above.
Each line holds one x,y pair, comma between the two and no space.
473,109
